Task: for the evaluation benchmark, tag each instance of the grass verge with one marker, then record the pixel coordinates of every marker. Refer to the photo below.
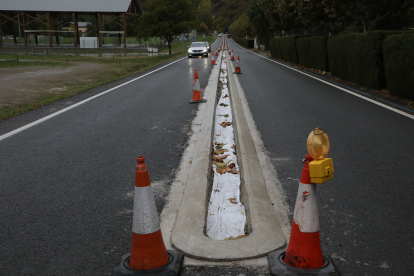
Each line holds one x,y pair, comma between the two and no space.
110,70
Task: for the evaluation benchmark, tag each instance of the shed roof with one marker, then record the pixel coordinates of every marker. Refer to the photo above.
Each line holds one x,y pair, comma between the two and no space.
65,5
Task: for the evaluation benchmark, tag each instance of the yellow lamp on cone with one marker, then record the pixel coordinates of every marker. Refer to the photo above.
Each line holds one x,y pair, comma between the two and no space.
321,169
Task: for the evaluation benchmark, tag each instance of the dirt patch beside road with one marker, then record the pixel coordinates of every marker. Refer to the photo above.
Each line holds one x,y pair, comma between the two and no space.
20,85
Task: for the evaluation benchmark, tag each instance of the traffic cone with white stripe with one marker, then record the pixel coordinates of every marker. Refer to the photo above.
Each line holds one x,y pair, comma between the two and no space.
232,55
197,97
238,71
213,62
303,254
216,52
149,255
304,249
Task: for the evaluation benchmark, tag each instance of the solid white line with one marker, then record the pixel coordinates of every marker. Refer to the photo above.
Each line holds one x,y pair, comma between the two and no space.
336,86
4,136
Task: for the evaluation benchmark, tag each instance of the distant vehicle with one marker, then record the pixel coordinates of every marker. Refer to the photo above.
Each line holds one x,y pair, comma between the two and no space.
220,35
197,49
208,46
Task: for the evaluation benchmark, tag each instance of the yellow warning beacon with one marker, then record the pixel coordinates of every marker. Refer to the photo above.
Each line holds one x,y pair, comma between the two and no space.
321,169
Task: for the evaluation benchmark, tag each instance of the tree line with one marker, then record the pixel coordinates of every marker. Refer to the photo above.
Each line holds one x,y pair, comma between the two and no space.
266,18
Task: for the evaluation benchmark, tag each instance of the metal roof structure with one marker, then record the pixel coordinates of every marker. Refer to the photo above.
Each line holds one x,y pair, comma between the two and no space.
86,6
37,13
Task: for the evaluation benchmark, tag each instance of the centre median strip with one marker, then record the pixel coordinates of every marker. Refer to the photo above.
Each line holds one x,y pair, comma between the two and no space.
190,190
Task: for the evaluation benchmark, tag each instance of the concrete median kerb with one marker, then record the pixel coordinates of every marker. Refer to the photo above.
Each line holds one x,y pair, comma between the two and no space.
188,233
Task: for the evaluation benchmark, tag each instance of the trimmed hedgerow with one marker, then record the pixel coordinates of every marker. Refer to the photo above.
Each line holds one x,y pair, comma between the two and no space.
246,43
399,65
312,52
274,46
359,57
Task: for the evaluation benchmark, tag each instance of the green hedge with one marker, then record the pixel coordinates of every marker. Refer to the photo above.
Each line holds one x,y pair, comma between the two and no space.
284,48
312,52
274,46
246,43
359,57
399,65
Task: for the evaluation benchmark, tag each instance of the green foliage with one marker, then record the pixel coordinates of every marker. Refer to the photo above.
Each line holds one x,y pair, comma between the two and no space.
312,52
284,48
166,18
246,43
226,12
359,57
260,23
204,14
242,27
399,65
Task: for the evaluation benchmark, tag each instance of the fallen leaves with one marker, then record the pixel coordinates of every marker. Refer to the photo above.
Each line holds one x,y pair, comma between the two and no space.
220,158
234,238
233,147
218,152
229,168
223,104
232,200
225,124
221,165
224,115
225,96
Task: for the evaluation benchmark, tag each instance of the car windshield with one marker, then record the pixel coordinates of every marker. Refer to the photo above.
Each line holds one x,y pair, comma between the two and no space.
205,42
198,44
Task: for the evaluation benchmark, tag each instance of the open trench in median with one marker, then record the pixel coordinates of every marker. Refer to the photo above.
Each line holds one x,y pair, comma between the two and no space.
185,221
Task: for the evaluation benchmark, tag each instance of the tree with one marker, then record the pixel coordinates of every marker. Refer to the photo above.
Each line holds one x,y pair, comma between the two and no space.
166,18
260,23
242,27
372,12
204,13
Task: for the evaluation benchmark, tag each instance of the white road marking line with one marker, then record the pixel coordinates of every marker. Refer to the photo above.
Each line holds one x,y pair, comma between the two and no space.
336,86
20,129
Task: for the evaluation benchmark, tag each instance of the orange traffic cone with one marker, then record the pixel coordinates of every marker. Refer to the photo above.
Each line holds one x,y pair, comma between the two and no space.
229,51
197,97
216,52
148,252
304,249
303,254
238,71
213,62
232,55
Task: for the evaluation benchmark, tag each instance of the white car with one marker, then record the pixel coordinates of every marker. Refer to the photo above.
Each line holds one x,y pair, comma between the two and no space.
220,35
197,49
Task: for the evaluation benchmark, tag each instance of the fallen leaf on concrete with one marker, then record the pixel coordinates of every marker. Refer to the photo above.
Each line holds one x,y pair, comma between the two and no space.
225,96
224,115
233,238
223,104
226,169
221,165
220,158
232,166
225,124
233,147
218,152
232,200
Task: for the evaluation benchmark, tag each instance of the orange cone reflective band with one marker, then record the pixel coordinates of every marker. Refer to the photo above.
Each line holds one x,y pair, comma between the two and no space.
213,62
304,249
238,65
148,249
197,97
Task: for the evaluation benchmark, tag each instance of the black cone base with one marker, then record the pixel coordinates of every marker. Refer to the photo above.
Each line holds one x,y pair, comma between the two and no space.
201,101
172,268
279,268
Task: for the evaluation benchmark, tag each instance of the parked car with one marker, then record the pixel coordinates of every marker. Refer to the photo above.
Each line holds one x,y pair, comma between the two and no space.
197,49
208,46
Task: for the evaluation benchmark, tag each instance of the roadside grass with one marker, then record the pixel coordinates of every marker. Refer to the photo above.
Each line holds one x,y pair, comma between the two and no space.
111,70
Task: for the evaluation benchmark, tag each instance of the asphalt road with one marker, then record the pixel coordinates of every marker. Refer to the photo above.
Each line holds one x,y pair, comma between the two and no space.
366,211
66,183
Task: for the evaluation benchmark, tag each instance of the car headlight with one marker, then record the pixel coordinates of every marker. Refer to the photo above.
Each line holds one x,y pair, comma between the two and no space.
190,51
